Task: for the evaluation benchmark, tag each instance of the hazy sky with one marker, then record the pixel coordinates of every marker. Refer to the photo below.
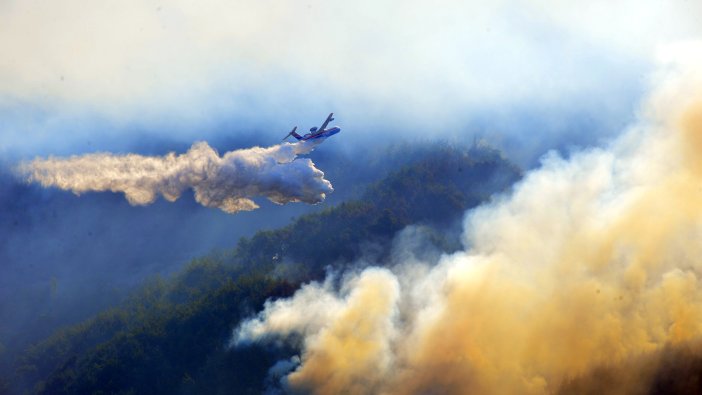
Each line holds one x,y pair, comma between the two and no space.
76,76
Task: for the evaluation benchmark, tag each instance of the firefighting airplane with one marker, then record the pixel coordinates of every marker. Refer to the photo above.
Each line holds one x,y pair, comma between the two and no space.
316,133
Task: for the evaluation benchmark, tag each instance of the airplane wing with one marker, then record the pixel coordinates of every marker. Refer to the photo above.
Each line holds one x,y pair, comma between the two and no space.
324,125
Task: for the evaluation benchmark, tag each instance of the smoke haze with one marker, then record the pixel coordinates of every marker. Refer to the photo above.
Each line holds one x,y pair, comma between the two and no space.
591,262
76,74
228,182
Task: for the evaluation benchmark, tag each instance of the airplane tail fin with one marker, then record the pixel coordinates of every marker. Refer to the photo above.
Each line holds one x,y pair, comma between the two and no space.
292,133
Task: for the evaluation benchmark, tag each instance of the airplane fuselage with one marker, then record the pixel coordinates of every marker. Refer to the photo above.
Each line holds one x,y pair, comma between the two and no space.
324,134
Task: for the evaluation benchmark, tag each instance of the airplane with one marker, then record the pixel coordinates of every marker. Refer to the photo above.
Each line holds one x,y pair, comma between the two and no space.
316,133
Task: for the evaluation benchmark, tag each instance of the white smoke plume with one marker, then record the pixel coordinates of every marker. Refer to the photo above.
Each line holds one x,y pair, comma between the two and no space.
228,182
591,262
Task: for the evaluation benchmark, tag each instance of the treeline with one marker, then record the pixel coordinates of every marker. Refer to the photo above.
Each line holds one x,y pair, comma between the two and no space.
171,336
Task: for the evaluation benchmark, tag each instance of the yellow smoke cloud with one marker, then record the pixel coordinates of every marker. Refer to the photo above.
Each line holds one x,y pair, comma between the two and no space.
591,265
351,349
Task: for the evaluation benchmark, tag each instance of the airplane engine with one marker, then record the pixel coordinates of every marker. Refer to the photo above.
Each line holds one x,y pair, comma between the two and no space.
313,129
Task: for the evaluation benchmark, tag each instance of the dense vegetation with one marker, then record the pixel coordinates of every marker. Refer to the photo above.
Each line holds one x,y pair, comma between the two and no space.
171,336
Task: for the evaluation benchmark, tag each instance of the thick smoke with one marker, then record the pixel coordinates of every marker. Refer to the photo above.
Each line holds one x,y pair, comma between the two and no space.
591,262
228,182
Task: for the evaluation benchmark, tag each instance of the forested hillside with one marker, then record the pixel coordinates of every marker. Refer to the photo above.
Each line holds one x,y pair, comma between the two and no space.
171,336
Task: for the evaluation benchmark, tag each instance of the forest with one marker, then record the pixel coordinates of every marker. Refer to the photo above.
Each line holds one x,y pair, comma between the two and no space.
171,335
